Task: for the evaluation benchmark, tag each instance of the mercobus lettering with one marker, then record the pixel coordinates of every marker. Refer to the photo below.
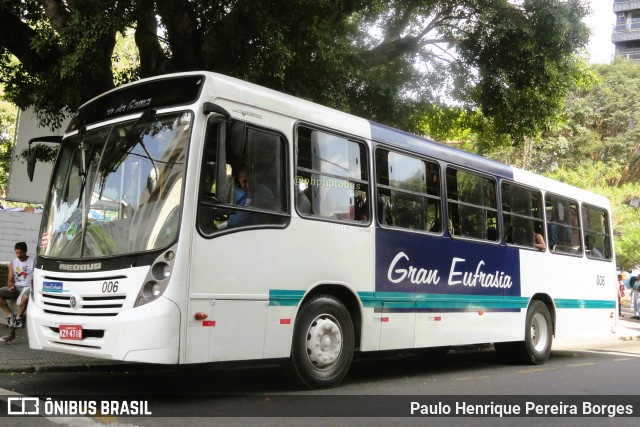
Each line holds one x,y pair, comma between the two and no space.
81,267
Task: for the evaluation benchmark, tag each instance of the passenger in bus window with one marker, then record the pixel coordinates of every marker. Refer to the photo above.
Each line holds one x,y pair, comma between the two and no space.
552,230
302,202
591,247
361,207
492,234
538,238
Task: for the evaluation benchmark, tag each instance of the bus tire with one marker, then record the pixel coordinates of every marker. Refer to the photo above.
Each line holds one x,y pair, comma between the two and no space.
538,337
323,343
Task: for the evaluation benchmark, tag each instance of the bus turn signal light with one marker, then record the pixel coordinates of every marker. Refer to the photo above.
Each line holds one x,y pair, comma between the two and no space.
200,316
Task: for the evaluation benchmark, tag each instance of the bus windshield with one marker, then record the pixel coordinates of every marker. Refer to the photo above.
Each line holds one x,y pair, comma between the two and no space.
117,189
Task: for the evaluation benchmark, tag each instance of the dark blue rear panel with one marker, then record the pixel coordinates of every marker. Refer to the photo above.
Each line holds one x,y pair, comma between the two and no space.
426,272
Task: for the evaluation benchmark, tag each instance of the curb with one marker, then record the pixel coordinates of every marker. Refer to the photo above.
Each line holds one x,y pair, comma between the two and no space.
36,368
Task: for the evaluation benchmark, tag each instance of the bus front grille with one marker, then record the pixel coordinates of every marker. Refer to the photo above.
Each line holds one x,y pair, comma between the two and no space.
82,306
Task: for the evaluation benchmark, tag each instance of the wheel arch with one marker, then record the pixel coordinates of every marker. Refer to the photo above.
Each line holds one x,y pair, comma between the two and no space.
348,297
548,301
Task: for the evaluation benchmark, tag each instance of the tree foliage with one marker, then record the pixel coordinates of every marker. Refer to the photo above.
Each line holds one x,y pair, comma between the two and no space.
601,122
595,145
511,60
8,113
596,176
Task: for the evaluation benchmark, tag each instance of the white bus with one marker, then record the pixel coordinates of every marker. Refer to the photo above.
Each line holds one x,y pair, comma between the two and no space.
197,218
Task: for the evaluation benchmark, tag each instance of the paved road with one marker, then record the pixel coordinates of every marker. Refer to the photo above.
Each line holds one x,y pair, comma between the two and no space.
381,388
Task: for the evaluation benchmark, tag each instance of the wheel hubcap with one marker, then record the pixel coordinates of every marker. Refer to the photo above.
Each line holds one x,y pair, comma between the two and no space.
324,341
539,332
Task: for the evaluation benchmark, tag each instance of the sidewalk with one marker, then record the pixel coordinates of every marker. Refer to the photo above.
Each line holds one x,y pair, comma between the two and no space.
17,357
628,329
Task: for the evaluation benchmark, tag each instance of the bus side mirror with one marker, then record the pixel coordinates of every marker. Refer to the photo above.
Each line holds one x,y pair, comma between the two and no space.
32,157
31,163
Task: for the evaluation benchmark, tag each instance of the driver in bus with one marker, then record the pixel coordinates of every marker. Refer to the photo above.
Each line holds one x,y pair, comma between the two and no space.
250,191
241,198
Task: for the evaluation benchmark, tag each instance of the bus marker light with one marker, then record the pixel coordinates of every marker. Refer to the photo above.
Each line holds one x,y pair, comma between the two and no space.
285,321
200,316
384,319
480,313
208,323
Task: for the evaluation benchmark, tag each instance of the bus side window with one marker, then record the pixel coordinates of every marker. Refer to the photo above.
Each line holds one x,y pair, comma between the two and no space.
408,190
597,236
521,214
472,205
332,175
260,163
563,225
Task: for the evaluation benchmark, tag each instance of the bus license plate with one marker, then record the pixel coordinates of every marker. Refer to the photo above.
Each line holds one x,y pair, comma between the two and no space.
70,332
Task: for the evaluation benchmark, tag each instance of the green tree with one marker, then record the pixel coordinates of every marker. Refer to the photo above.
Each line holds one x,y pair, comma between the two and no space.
595,145
602,121
599,123
8,113
596,177
513,61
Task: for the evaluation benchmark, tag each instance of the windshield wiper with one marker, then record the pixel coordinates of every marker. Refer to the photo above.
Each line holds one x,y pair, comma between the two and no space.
83,168
146,115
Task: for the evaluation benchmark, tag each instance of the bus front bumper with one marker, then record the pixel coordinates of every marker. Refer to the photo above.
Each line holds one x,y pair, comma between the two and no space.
148,334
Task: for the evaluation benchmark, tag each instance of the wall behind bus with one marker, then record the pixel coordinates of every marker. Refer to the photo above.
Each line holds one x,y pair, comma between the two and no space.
19,188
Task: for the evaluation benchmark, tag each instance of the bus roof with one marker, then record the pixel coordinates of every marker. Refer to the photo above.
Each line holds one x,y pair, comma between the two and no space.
436,150
219,86
431,148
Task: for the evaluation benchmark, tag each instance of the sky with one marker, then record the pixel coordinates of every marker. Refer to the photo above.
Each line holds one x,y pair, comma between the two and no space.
601,23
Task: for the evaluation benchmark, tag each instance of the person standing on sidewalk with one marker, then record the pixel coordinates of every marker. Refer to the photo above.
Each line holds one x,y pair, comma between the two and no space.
635,297
18,286
632,294
620,294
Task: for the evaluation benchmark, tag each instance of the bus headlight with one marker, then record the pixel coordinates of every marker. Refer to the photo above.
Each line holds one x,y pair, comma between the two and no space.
151,290
157,279
161,271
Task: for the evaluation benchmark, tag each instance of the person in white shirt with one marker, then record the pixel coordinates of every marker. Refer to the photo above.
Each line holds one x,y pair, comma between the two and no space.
18,286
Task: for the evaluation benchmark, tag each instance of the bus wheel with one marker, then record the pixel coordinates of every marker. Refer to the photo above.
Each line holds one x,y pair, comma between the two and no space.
323,342
538,333
538,336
